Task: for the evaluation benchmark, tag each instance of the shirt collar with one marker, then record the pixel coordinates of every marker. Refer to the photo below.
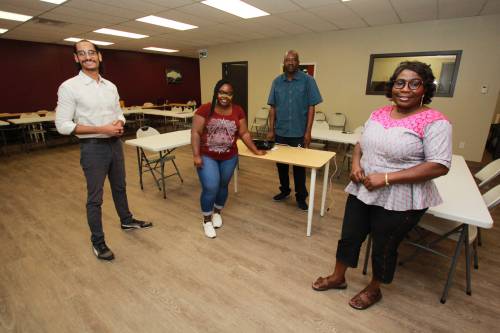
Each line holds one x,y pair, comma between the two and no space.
88,80
296,76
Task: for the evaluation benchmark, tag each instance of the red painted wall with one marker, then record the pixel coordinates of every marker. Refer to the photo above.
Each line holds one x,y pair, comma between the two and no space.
32,73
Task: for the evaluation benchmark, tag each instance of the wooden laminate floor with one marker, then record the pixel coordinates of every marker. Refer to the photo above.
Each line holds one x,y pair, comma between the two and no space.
254,277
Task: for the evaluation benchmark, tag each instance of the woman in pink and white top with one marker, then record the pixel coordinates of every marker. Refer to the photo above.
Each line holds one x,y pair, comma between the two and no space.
403,147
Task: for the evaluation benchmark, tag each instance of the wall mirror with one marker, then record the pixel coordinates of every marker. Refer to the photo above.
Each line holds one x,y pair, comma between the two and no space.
444,65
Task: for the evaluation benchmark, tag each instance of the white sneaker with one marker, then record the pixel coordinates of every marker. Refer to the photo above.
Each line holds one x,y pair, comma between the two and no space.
208,227
217,220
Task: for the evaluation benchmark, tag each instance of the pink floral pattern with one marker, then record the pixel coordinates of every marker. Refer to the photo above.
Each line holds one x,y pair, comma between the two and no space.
415,123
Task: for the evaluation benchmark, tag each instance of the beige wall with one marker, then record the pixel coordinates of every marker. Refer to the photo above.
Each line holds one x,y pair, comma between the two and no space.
342,65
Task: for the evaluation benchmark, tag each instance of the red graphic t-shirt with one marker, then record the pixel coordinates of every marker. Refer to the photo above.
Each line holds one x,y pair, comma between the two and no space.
218,140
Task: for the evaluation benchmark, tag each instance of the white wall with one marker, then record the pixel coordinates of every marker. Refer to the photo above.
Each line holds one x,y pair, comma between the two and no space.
342,67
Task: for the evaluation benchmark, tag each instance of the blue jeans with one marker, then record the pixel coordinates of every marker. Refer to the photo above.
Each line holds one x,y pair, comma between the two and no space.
214,178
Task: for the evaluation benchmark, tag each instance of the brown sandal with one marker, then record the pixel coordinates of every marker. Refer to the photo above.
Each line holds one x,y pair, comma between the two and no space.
322,284
365,298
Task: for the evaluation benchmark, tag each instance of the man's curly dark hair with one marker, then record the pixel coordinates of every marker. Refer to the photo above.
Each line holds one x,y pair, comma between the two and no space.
423,70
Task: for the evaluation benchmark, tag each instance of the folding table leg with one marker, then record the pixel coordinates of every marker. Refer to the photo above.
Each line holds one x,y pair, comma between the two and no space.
139,162
467,258
311,202
162,165
453,264
325,188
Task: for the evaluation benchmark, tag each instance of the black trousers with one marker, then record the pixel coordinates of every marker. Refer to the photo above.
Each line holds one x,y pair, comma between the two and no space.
299,173
98,160
387,228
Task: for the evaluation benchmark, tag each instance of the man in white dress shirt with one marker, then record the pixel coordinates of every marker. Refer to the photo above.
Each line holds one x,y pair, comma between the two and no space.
88,107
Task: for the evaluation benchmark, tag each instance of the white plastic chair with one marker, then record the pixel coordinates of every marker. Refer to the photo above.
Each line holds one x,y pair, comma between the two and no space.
337,121
488,173
154,161
319,116
319,125
260,122
148,104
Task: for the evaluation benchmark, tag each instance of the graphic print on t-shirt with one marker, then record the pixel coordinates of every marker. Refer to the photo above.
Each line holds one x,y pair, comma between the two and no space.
220,135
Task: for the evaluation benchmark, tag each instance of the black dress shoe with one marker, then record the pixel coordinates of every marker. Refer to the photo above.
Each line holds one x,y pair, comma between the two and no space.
136,224
102,251
281,196
302,205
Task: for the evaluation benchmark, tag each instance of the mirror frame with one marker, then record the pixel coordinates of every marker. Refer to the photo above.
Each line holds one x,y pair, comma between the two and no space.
456,53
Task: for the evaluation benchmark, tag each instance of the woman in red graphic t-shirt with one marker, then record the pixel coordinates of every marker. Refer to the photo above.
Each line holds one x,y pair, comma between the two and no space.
216,127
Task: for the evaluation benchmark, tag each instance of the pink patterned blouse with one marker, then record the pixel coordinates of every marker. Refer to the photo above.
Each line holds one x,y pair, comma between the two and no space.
390,145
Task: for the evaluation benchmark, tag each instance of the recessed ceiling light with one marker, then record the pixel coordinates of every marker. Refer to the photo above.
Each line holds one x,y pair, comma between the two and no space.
159,49
96,42
57,2
151,19
14,16
120,33
346,0
236,7
3,30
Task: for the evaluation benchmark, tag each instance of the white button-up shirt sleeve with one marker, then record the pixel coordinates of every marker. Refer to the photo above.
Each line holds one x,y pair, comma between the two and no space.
65,112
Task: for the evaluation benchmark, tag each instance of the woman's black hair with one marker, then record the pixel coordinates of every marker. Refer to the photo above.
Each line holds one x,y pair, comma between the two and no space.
423,70
78,65
219,84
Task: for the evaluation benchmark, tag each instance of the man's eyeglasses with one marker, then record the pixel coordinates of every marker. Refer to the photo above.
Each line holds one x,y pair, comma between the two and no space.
225,93
413,84
90,53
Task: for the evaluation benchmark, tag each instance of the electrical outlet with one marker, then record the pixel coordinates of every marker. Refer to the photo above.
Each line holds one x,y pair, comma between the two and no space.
461,145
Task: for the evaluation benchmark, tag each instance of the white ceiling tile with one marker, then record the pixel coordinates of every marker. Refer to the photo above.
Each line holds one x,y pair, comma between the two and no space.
204,11
30,38
14,8
459,8
491,7
177,15
339,14
69,29
9,24
171,3
274,6
315,3
374,12
414,11
276,22
68,14
136,5
96,7
308,20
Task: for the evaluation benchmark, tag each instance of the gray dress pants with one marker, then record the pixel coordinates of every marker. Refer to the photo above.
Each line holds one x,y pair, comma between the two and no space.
100,158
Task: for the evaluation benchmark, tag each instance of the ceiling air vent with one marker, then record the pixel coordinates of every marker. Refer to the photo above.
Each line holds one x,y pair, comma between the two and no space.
52,23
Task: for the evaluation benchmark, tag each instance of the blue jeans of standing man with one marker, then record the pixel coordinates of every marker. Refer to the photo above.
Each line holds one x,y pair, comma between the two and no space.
214,178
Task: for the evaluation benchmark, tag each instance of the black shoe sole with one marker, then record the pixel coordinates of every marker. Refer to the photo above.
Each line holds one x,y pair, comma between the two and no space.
138,227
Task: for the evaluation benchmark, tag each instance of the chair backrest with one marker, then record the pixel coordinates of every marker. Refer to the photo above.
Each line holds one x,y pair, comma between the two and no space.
262,113
319,116
187,109
321,125
492,197
176,109
489,172
146,131
337,120
148,104
29,115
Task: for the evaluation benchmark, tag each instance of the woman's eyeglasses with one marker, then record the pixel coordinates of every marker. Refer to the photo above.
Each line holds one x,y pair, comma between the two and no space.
413,84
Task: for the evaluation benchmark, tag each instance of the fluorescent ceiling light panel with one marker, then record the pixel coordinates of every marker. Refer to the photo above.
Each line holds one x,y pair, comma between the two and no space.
151,19
96,42
57,2
120,33
14,16
236,7
3,30
159,49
